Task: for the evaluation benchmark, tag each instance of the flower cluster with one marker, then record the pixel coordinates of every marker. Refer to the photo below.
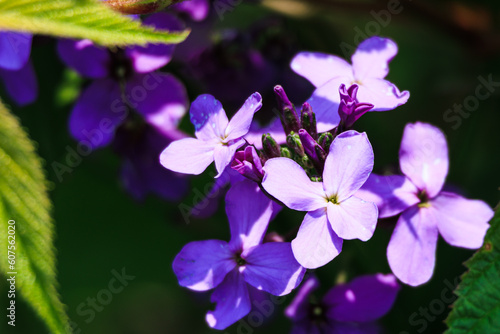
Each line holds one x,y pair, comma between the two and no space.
318,164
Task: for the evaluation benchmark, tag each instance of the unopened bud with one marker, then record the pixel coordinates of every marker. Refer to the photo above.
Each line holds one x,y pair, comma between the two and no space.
313,150
285,152
270,147
308,120
293,141
289,118
325,140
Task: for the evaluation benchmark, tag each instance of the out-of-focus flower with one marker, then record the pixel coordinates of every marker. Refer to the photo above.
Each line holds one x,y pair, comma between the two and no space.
16,70
333,213
243,262
368,70
345,309
426,209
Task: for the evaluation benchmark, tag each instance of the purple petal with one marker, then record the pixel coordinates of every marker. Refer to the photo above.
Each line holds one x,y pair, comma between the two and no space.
319,68
289,183
95,115
188,156
299,307
392,194
423,157
248,164
15,49
160,98
316,243
382,94
154,56
202,265
272,267
412,249
240,123
248,211
233,302
84,57
224,154
353,218
372,57
462,222
348,164
208,117
21,85
366,298
196,9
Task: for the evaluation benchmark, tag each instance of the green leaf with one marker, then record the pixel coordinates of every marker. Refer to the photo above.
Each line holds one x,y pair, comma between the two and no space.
477,309
23,198
80,19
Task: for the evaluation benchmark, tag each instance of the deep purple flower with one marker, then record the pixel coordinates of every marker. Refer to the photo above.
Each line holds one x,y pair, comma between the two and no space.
160,98
230,267
196,9
349,308
16,70
349,108
426,209
368,70
141,173
248,164
334,213
217,139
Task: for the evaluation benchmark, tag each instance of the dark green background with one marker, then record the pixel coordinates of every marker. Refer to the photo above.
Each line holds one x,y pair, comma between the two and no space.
100,227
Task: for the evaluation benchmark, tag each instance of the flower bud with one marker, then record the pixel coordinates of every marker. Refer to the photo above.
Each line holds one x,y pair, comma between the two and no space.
313,150
308,120
270,147
349,109
325,140
285,152
293,141
288,115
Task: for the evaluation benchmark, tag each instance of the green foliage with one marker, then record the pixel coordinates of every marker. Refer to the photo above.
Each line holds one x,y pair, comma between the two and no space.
23,198
80,19
477,309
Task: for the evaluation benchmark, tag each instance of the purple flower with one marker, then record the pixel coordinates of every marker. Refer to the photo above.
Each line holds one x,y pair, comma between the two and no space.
217,139
349,109
196,9
368,70
16,71
333,212
232,267
160,98
426,209
248,164
350,308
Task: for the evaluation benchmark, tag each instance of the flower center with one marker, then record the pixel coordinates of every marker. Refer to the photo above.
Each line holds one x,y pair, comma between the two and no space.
334,199
239,260
424,199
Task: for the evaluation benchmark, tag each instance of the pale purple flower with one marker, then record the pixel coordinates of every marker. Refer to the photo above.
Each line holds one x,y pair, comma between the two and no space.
16,70
334,213
368,70
217,139
350,308
426,209
158,97
232,267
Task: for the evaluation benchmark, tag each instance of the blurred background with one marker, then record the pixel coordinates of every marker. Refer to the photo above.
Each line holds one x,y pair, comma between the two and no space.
446,50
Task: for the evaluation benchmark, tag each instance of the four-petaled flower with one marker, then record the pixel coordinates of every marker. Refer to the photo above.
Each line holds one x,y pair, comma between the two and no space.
368,70
426,209
345,309
217,139
234,267
333,212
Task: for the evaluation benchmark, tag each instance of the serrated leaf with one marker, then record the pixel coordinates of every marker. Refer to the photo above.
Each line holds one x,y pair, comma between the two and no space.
23,198
477,309
80,19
